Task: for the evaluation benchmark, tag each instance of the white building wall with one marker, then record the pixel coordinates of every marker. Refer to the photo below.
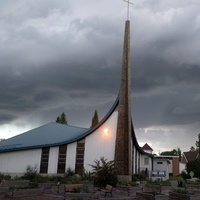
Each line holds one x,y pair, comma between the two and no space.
17,162
71,156
160,167
53,160
144,165
100,144
171,166
182,167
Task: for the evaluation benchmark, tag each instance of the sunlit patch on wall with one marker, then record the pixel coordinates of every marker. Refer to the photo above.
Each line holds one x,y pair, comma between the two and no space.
106,132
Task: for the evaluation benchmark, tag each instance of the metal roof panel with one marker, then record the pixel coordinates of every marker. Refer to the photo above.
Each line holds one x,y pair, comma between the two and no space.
46,135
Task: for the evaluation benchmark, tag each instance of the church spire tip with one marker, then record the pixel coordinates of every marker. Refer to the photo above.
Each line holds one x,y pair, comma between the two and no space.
128,4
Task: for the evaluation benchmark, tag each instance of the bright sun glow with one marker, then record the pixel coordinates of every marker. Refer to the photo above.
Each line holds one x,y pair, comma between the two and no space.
105,131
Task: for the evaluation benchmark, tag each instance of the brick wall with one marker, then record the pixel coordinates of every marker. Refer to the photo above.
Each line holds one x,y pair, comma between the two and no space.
175,166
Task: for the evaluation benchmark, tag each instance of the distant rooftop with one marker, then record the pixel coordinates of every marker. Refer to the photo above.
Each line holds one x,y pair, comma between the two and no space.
190,155
147,147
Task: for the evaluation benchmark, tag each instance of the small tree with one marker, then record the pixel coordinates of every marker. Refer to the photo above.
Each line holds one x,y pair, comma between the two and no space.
58,119
198,145
62,119
95,119
31,173
104,172
179,153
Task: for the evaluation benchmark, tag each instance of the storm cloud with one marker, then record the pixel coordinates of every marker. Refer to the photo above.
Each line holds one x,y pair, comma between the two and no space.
58,56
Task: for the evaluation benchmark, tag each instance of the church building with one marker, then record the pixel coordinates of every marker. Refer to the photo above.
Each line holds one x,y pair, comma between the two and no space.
54,147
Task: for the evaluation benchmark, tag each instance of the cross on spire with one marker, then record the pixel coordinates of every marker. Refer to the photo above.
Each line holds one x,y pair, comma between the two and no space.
128,3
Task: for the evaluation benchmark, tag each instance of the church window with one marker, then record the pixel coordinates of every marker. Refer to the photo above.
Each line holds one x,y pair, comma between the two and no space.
62,159
80,149
44,160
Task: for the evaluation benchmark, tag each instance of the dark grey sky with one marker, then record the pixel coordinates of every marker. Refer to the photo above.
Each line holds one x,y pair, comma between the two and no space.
65,56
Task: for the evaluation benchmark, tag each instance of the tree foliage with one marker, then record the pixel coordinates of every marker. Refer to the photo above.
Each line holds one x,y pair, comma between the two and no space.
104,172
95,119
192,148
62,119
198,145
31,173
174,152
194,166
185,175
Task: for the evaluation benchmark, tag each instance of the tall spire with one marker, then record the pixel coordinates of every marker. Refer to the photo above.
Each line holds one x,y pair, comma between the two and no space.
123,158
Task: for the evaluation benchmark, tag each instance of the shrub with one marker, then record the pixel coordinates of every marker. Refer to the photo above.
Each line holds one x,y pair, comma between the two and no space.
31,174
185,175
104,172
4,177
139,177
81,190
69,172
87,176
74,179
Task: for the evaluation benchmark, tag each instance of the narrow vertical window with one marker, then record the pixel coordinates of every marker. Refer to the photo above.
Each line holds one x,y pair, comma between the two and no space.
139,163
136,164
80,149
133,156
44,160
62,159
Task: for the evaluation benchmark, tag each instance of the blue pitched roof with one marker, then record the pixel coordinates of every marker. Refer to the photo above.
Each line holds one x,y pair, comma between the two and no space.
50,134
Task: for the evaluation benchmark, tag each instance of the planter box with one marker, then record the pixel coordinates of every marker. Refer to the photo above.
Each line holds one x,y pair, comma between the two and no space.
72,196
24,192
175,196
144,196
16,183
161,197
179,196
149,196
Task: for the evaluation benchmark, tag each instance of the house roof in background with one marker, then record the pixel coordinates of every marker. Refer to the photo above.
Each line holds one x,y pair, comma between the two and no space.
190,155
147,147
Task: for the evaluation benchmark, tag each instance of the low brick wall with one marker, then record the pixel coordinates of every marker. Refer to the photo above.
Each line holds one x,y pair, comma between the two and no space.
24,192
144,196
149,196
193,188
175,196
152,188
16,183
35,197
